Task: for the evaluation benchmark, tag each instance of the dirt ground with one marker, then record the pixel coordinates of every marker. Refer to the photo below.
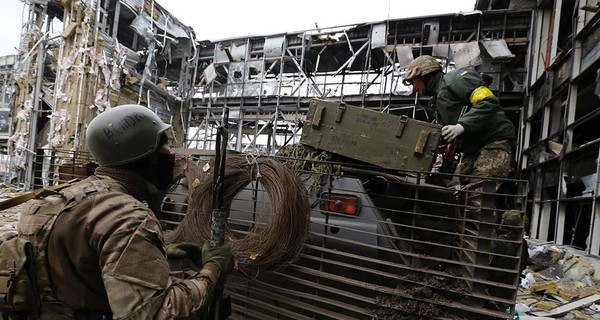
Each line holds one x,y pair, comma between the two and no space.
399,308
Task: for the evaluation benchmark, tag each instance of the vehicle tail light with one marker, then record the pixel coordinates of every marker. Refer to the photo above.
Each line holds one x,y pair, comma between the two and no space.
339,203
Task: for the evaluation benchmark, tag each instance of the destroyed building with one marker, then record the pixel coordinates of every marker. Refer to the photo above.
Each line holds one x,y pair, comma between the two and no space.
79,57
6,91
106,53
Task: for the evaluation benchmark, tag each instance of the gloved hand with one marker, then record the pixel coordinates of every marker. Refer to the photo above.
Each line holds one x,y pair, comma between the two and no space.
452,132
218,260
185,250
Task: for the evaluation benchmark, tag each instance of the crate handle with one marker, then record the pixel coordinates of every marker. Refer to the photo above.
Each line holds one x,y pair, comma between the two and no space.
421,143
401,125
318,116
340,112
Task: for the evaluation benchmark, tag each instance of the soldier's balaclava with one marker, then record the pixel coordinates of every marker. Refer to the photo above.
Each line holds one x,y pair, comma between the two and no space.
431,82
157,168
163,165
164,172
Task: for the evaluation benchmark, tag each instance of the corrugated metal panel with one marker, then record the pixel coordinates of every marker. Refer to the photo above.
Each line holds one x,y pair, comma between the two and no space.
165,20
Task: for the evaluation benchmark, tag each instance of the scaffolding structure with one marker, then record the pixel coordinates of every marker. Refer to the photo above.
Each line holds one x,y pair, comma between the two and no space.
267,81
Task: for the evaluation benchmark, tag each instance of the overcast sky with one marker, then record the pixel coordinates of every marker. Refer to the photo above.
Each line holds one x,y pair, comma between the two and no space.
214,20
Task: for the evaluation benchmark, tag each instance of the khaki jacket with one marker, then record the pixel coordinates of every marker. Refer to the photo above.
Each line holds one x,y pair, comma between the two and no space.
106,255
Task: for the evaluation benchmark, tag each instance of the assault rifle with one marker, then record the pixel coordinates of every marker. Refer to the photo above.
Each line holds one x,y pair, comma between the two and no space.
450,160
450,157
220,307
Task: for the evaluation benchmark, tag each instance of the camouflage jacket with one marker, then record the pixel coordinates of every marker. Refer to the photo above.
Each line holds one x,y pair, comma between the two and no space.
106,255
484,121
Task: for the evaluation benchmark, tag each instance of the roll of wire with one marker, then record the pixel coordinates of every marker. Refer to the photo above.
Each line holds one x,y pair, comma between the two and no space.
273,242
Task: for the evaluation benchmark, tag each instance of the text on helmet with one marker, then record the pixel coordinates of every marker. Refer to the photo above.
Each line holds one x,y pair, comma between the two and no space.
124,124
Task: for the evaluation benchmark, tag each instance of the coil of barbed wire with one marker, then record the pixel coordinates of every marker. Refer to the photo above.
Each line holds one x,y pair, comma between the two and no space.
277,239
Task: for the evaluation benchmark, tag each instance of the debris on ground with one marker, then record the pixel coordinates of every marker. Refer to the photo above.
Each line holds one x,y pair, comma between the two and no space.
560,282
9,216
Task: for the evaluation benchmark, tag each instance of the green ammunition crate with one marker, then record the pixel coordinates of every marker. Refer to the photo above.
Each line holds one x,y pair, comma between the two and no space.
385,140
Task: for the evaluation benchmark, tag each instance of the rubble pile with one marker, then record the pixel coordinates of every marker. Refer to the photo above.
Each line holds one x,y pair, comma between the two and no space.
10,216
560,282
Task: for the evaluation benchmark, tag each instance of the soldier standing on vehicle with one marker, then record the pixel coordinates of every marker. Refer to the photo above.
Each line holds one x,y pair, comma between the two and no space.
487,135
105,251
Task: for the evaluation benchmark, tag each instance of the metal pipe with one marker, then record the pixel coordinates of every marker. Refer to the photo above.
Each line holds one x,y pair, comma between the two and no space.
41,56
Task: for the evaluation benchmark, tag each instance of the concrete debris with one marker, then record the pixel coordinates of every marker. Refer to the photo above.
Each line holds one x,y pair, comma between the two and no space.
10,216
560,282
561,310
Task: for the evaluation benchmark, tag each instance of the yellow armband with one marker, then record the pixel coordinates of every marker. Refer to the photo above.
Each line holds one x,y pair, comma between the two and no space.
479,94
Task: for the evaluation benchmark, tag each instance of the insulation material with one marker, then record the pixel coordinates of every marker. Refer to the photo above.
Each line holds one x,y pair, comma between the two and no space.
23,115
149,67
405,55
64,66
273,47
497,49
441,50
121,56
235,79
101,101
162,19
210,73
19,159
379,36
246,78
29,41
46,167
121,61
230,52
466,54
143,27
58,120
238,50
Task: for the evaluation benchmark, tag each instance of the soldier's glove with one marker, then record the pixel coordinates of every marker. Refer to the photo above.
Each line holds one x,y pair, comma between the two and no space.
219,260
185,250
452,132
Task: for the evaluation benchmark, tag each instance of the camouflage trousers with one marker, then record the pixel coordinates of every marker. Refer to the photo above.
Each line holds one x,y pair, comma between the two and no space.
493,161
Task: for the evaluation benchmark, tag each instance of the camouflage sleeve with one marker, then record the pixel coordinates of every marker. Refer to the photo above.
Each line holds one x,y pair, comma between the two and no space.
470,88
135,271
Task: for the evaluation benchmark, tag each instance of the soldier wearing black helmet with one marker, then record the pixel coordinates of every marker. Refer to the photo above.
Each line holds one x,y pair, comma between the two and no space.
487,135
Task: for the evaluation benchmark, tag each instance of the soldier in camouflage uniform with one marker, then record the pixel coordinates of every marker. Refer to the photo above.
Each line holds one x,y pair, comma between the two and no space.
487,135
105,251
